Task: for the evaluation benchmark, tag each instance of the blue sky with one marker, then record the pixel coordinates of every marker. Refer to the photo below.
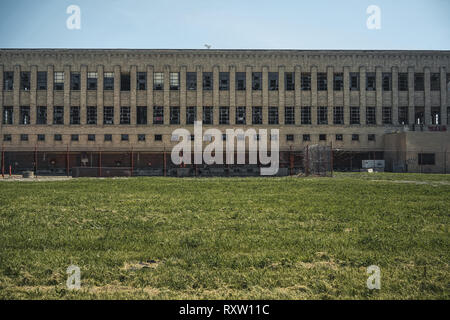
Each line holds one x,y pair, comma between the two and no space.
226,24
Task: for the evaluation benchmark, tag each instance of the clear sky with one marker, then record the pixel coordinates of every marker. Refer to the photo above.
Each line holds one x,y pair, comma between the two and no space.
226,24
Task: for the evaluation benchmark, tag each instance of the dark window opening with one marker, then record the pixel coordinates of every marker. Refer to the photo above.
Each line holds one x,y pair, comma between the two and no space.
41,115
23,137
141,137
42,80
387,81
322,137
224,115
8,113
124,137
207,81
208,115
402,82
240,115
108,115
158,115
305,81
257,115
141,115
354,81
125,81
419,115
386,115
305,115
75,81
158,137
289,115
338,83
91,137
91,115
321,81
108,81
92,80
7,137
403,115
256,80
74,137
41,137
125,115
371,83
339,137
191,115
174,115
426,159
25,80
355,137
224,81
289,81
371,137
289,137
57,137
354,115
435,81
58,115
273,81
74,115
273,115
338,115
8,80
419,82
371,115
58,83
435,115
25,115
108,137
322,115
240,80
191,80
141,78
306,137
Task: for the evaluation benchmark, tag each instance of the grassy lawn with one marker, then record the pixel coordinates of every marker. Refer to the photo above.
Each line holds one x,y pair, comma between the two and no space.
227,238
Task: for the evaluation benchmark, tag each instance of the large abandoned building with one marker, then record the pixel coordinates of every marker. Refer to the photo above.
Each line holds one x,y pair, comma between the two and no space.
102,109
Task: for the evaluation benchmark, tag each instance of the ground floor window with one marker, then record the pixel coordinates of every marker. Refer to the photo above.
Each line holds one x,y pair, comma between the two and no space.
426,158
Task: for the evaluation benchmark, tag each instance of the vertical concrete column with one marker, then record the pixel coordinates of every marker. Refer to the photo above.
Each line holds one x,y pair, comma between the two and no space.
394,100
133,94
117,71
362,95
83,94
444,106
2,69
199,71
347,99
16,94
67,94
249,93
166,94
232,94
33,94
216,95
427,95
50,96
100,82
281,94
314,95
411,100
330,93
297,93
183,93
379,95
150,101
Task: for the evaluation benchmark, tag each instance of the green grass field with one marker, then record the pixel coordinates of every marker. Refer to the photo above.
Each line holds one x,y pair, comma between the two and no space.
227,238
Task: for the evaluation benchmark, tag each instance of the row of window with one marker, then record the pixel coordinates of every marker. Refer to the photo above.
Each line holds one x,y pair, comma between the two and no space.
224,115
224,81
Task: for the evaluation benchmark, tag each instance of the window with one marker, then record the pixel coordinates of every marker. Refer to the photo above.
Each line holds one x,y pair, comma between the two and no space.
371,115
224,81
289,115
448,115
7,137
124,137
289,137
306,137
41,137
174,80
141,80
208,115
23,137
58,115
8,80
240,115
273,115
257,115
435,82
419,115
306,81
192,137
435,115
354,81
58,81
24,115
403,115
158,137
448,82
355,137
426,158
57,137
305,115
402,82
108,137
224,115
387,81
74,115
141,115
338,115
191,80
125,81
321,81
419,82
240,80
371,137
42,80
108,115
174,115
339,137
322,115
25,80
158,81
386,115
224,137
191,115
256,80
371,84
41,115
207,81
158,115
8,115
273,81
322,137
108,81
91,137
92,80
141,137
354,115
125,115
289,81
91,115
74,137
75,81
338,81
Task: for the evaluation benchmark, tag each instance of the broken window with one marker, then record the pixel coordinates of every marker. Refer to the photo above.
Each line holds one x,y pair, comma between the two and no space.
273,115
191,115
257,115
403,115
58,115
108,115
92,80
108,81
224,115
386,113
371,115
322,115
338,115
125,114
371,137
174,80
8,80
124,137
41,115
158,81
289,115
91,115
8,115
321,81
207,81
355,137
387,81
306,81
289,137
256,80
141,80
224,81
354,115
426,159
107,137
240,80
141,137
339,137
338,81
25,80
419,115
240,115
125,81
74,115
74,137
158,115
289,81
419,82
141,115
58,81
354,81
402,82
191,80
174,115
436,115
371,84
273,81
24,115
305,115
306,137
75,81
42,80
435,81
208,115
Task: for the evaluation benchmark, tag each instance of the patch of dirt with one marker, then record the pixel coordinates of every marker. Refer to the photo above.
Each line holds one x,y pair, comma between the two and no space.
132,266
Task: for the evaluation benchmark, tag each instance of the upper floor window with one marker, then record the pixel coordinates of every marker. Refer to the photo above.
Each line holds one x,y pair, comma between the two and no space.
387,81
256,80
257,115
321,81
141,78
419,82
24,115
125,81
402,82
8,115
306,81
75,81
207,81
125,115
141,115
289,81
174,80
273,81
74,115
208,115
354,81
158,81
42,80
25,80
338,81
224,81
191,80
371,84
289,115
58,81
435,81
240,80
8,80
92,80
108,81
